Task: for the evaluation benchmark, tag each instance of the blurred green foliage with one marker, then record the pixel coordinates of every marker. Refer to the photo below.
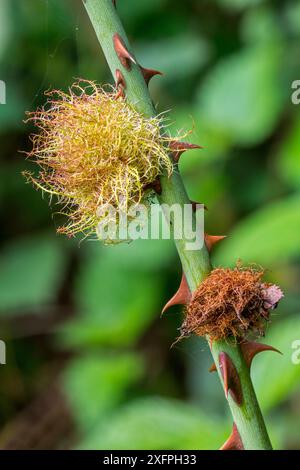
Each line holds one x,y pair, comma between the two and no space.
40,287
87,317
165,424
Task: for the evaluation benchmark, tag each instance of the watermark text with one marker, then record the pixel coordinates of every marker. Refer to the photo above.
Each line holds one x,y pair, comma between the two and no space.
295,97
2,92
157,221
296,354
2,352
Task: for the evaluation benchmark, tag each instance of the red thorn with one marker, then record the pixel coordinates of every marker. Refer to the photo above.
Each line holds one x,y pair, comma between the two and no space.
125,57
120,93
177,148
211,240
182,296
120,80
231,378
149,73
234,442
251,348
213,368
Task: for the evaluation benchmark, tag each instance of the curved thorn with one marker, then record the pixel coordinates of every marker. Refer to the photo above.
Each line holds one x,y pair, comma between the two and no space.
231,380
213,368
251,348
124,55
234,442
149,73
177,148
182,296
120,80
211,240
120,93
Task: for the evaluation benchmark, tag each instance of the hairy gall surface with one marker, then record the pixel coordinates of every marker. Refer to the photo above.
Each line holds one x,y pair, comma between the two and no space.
93,150
230,302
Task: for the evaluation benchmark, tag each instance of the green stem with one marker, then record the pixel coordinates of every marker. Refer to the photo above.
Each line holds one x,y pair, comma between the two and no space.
196,264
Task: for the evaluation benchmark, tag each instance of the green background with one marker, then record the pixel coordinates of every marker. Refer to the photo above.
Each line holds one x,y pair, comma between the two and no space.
89,360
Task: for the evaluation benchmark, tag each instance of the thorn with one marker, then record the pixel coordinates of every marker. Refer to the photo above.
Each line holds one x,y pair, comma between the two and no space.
231,378
234,442
177,148
120,80
125,57
251,348
149,73
213,368
211,240
155,185
114,3
120,93
182,296
195,203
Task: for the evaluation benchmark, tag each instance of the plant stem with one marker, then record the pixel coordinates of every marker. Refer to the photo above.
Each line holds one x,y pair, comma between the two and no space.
196,264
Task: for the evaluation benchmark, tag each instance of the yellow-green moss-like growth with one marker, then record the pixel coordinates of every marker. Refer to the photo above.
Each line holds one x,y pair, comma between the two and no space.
94,150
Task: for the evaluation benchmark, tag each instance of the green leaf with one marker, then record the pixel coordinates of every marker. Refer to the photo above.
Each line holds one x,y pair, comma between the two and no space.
94,384
12,113
261,25
269,236
242,97
118,292
5,26
215,144
292,16
239,4
144,255
182,55
133,11
31,271
275,376
157,423
289,156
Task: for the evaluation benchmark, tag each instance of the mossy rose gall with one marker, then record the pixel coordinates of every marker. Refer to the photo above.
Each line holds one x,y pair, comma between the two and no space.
231,303
94,149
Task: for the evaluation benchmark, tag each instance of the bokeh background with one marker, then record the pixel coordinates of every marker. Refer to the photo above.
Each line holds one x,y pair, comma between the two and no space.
89,363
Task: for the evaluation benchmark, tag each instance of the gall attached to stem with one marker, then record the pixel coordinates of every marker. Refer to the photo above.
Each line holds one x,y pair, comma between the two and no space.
231,303
92,150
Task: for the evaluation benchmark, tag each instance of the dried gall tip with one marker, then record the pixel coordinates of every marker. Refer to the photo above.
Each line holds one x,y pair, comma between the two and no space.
93,150
230,302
